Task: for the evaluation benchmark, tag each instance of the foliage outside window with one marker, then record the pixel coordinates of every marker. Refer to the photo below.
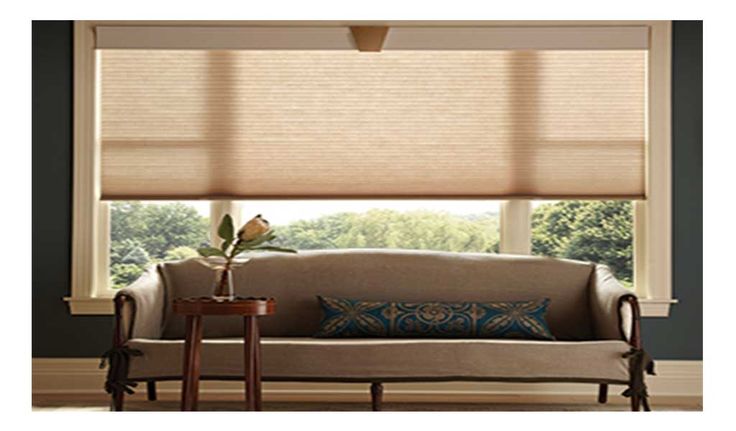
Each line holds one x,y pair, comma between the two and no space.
594,231
142,234
384,228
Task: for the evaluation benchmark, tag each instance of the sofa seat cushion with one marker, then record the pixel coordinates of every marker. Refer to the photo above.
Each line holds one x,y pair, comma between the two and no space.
393,359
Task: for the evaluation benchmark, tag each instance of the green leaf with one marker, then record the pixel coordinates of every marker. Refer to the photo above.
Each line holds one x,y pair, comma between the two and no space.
272,248
251,245
226,230
241,248
268,236
224,246
210,251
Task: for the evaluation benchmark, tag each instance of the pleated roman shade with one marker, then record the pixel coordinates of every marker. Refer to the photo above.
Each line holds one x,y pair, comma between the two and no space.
534,119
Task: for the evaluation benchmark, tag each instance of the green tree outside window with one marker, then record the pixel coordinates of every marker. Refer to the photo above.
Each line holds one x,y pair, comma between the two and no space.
596,231
144,234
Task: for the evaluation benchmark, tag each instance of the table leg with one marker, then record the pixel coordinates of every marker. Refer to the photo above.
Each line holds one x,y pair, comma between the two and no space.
257,377
190,372
252,362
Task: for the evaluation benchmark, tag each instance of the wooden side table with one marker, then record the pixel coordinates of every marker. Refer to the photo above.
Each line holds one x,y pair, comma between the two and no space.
250,309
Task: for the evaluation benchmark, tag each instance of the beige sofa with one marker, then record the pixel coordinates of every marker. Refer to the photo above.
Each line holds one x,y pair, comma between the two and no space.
594,319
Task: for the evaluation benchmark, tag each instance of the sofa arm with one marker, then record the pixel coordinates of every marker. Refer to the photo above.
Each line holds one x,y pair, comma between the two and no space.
139,308
614,309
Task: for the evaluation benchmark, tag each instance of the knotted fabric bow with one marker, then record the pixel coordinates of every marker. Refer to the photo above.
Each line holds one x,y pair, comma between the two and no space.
639,363
118,359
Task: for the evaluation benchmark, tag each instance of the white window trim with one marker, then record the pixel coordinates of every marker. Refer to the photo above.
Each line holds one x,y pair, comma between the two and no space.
652,217
515,227
89,249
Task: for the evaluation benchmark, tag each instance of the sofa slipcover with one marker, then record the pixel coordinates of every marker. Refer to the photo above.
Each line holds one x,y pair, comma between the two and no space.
396,275
367,360
593,317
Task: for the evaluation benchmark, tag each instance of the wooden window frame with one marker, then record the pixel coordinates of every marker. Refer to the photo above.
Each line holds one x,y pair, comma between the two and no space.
90,293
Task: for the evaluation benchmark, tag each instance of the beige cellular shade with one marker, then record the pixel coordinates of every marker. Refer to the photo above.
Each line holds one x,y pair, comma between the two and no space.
179,124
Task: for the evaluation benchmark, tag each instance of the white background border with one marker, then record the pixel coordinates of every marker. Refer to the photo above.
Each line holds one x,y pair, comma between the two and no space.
719,180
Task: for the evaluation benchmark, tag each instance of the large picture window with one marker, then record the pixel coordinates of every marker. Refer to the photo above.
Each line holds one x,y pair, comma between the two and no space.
143,233
534,139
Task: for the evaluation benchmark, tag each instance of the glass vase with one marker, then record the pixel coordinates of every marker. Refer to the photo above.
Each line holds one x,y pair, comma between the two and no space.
224,290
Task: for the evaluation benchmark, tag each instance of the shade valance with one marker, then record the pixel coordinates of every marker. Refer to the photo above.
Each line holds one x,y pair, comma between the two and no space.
398,38
485,123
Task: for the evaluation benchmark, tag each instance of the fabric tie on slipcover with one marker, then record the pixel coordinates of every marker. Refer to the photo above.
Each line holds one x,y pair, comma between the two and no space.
639,363
118,358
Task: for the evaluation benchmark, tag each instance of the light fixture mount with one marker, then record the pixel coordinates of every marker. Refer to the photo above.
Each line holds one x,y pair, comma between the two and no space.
369,38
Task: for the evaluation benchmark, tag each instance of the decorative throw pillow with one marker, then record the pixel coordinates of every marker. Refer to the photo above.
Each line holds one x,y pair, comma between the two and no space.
354,318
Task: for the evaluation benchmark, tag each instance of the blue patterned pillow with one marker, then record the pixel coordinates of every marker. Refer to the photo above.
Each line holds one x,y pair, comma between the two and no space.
354,318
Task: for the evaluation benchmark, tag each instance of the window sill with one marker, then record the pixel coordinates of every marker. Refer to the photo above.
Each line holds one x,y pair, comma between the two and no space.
651,307
101,305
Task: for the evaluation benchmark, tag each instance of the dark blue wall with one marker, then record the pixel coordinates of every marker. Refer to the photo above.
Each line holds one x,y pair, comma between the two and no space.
681,335
56,333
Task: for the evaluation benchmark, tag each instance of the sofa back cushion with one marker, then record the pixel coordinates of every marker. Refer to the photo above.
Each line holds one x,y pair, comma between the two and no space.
385,275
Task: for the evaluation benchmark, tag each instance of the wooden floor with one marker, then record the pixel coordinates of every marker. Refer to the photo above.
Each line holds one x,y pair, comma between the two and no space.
136,405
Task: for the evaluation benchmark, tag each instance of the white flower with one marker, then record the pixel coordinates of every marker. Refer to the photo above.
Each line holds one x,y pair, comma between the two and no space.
255,227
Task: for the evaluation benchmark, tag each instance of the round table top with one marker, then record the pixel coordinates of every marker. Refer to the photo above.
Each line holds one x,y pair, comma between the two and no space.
239,306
